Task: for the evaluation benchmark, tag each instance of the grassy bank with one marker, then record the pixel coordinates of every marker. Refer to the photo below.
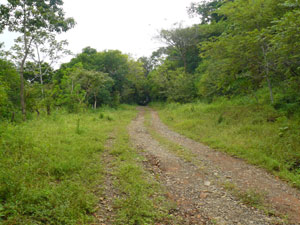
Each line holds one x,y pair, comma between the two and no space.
50,168
257,133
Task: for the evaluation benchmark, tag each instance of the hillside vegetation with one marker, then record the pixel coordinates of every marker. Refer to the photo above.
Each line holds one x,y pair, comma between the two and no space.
51,168
232,81
255,132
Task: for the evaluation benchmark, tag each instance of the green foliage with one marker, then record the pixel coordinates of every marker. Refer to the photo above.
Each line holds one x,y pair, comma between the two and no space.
241,127
36,22
141,200
182,46
256,50
206,10
124,77
51,175
172,85
171,146
9,87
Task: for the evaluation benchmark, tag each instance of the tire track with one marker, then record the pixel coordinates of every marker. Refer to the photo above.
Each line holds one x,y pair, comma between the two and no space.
199,197
278,194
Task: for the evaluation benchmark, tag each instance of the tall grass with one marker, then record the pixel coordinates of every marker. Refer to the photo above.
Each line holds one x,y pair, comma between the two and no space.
50,168
255,132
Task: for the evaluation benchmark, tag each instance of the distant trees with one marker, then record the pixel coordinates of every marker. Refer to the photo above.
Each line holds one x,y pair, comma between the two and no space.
245,56
35,20
9,89
238,48
181,43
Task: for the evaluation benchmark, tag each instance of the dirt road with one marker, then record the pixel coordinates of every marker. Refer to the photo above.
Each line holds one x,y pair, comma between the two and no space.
213,188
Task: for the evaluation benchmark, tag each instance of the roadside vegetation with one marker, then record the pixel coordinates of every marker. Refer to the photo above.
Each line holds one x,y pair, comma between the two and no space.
171,146
232,81
141,200
51,167
255,132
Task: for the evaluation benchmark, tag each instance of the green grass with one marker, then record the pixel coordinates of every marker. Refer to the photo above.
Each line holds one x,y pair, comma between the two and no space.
257,133
180,151
141,200
51,167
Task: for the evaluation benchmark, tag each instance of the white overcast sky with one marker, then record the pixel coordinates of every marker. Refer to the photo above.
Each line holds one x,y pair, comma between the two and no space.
127,25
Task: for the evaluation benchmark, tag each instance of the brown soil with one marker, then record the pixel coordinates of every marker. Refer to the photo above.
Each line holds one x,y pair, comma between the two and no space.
199,191
105,214
280,195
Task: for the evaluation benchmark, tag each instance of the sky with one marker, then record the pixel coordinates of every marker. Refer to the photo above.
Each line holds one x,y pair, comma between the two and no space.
126,25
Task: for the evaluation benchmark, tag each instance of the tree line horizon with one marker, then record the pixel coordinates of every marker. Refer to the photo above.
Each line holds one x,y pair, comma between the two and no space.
239,48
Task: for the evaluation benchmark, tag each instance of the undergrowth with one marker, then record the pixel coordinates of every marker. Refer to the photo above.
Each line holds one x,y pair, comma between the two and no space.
180,151
255,132
51,167
141,201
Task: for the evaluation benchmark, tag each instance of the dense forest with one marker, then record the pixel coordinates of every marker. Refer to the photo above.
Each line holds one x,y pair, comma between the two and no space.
239,67
239,48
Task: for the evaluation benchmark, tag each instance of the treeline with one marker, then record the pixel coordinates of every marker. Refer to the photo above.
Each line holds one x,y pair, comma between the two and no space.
239,48
91,79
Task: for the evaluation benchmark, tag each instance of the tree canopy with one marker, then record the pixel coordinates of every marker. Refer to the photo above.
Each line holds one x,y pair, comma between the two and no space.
238,48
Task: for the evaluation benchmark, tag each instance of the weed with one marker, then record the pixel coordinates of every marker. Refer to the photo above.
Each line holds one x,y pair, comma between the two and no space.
78,131
101,115
48,174
248,197
220,119
171,146
251,197
256,133
109,118
141,201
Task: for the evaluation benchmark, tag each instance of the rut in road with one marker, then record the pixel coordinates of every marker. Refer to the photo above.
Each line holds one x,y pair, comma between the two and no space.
278,195
197,191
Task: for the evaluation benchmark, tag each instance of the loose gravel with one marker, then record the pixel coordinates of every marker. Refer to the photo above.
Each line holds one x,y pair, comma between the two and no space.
198,191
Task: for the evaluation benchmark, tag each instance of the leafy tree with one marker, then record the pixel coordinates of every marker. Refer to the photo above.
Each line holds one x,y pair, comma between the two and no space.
111,62
136,88
168,83
206,10
181,41
92,82
9,87
32,72
33,20
48,51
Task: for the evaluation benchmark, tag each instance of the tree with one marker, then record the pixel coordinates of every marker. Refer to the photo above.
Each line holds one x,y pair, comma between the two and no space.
92,82
206,10
112,62
33,20
32,72
182,40
9,87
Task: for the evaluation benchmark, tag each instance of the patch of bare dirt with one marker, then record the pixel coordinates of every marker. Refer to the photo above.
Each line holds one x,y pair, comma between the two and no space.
279,195
197,192
105,214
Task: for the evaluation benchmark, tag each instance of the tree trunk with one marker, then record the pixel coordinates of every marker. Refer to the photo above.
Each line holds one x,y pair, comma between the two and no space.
22,88
270,89
48,110
40,70
95,103
185,64
267,70
183,57
38,113
27,45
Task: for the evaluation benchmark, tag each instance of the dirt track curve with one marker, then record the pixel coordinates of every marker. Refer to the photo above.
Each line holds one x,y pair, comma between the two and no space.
198,188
